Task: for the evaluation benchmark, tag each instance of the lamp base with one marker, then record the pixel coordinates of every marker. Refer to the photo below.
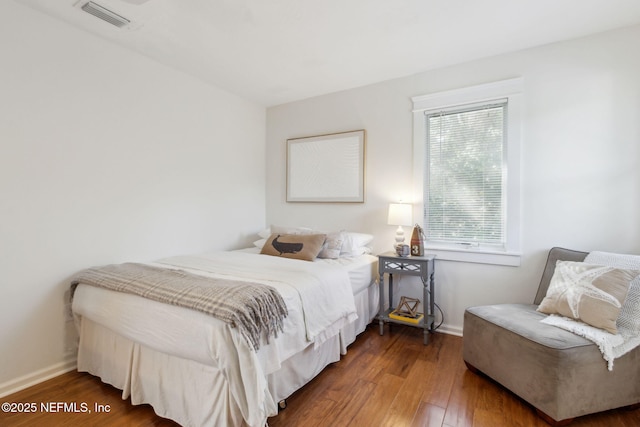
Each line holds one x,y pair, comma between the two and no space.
399,236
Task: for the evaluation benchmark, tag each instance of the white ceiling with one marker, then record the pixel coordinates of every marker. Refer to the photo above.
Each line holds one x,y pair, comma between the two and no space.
276,51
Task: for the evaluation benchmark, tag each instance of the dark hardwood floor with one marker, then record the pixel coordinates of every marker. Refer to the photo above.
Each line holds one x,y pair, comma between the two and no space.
393,380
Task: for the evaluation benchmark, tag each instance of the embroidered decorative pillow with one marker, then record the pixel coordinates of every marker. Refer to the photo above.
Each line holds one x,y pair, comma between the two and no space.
332,245
591,293
296,246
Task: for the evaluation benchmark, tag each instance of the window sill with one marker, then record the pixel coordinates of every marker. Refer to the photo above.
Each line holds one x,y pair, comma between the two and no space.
475,255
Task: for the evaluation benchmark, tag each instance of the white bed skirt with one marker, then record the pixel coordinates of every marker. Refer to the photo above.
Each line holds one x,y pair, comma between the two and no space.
195,394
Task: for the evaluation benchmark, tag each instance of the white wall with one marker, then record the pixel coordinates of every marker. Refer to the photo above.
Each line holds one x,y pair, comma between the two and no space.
106,156
580,161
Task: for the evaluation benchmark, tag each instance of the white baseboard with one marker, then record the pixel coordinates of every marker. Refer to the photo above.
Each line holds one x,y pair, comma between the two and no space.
26,381
451,330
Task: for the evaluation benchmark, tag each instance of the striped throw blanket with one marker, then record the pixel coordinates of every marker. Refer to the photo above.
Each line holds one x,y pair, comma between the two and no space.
251,307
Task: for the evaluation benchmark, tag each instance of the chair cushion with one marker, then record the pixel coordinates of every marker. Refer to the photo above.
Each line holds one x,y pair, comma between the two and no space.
524,320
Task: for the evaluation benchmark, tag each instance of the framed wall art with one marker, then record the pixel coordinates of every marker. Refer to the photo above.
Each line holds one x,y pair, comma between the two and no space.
326,168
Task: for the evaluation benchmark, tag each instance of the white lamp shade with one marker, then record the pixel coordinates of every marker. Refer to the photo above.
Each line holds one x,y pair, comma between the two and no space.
400,214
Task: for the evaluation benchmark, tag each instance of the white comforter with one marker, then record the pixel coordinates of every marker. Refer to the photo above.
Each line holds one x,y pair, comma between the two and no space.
318,297
324,292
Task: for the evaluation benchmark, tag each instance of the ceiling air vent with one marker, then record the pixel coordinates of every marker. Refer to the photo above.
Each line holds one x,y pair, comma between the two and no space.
105,14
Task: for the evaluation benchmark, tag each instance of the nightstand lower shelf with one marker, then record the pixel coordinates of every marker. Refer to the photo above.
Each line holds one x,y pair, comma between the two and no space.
426,323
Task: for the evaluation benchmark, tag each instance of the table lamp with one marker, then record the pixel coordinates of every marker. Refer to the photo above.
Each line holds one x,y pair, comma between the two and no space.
400,214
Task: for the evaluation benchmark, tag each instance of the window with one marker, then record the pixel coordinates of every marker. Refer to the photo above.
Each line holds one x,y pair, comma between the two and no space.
466,144
463,185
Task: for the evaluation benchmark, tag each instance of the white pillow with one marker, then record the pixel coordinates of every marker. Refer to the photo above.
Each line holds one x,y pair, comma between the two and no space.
264,234
630,312
356,244
259,243
360,239
278,229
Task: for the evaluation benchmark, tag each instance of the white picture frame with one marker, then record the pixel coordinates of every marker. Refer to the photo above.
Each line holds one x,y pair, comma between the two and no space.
326,168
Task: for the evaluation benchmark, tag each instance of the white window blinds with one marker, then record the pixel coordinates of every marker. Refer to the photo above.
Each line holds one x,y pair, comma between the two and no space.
465,183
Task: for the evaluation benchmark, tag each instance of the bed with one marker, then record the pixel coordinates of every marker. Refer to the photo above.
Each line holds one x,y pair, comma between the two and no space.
197,370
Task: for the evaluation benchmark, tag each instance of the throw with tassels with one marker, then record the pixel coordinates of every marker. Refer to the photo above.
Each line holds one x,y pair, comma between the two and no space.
253,308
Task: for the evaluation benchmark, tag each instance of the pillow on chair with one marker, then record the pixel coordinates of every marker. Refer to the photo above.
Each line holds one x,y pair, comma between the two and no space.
591,293
629,319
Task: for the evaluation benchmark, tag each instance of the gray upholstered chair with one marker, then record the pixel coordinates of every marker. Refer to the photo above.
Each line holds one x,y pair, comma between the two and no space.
559,373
